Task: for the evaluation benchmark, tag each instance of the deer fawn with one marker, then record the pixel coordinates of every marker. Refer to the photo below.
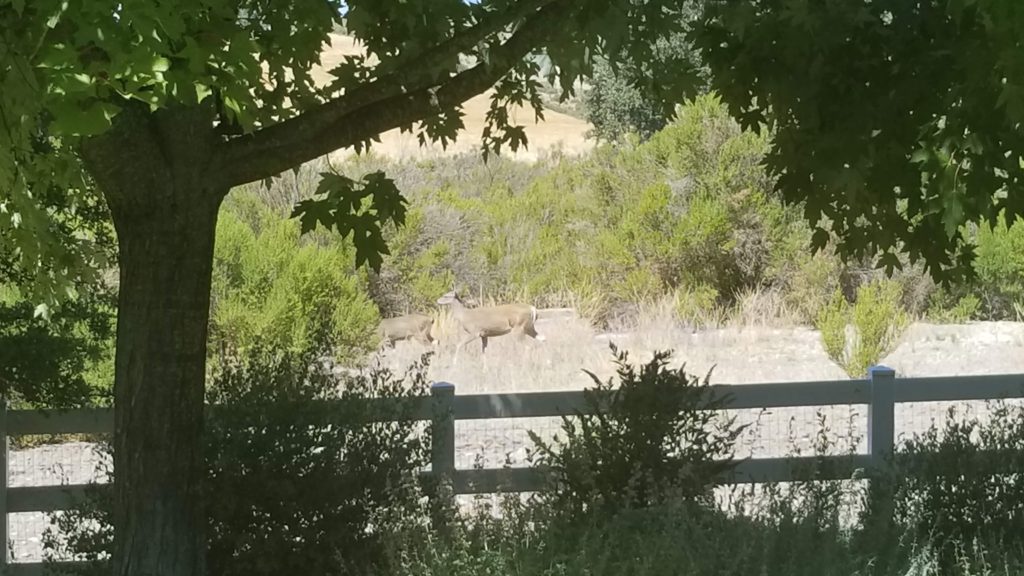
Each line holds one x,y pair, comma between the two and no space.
411,326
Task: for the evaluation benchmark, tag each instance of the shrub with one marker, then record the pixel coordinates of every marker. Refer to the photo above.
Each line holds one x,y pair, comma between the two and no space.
696,305
960,485
877,318
621,101
956,494
271,287
63,362
999,265
690,208
654,438
303,474
944,307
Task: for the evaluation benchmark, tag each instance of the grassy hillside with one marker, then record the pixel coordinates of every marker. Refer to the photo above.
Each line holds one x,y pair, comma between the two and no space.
682,231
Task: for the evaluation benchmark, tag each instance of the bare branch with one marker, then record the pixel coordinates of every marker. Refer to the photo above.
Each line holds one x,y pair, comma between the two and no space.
384,104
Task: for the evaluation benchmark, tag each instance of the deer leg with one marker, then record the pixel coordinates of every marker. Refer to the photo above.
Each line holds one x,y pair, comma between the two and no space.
459,347
483,345
531,331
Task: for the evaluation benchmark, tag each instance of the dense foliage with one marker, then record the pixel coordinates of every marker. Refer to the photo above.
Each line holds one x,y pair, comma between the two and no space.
272,287
688,218
303,473
895,123
654,438
61,362
957,485
623,98
298,485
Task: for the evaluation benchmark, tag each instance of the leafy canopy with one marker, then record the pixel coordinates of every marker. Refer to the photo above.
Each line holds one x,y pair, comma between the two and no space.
896,122
70,70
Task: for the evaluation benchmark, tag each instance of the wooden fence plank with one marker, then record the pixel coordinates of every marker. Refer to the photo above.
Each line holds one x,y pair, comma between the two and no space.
959,388
490,480
522,405
881,414
44,498
796,394
796,469
77,421
570,402
39,568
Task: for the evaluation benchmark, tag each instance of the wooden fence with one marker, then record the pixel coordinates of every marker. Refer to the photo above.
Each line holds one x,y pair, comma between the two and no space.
881,391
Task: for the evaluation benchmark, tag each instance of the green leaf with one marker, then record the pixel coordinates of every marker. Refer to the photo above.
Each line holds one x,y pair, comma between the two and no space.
42,311
357,208
890,262
76,119
920,156
952,214
819,239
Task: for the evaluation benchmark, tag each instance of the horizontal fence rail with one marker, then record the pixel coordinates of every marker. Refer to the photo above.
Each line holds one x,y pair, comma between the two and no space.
881,391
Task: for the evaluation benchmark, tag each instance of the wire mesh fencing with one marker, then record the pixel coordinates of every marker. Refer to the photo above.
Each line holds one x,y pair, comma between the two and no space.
495,443
51,460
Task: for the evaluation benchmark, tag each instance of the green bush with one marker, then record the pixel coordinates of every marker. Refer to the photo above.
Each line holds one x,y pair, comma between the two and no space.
303,474
63,362
999,265
272,287
621,101
655,438
878,319
961,485
624,225
944,307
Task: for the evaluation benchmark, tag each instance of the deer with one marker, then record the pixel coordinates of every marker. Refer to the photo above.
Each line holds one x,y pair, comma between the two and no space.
489,321
411,326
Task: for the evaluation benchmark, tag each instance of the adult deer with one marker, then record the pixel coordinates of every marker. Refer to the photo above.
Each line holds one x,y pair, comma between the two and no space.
489,321
411,326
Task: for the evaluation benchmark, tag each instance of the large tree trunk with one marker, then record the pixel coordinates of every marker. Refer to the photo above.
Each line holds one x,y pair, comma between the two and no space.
152,170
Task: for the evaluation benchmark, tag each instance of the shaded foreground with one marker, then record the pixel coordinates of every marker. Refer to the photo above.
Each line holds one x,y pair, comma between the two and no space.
298,488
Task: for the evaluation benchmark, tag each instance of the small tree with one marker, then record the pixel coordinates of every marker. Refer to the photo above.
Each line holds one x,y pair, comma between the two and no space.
624,98
654,438
877,318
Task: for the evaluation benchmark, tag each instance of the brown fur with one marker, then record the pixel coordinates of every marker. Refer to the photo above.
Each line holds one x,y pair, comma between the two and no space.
411,326
490,321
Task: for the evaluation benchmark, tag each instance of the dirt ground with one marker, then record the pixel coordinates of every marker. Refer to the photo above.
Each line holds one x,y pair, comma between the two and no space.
735,356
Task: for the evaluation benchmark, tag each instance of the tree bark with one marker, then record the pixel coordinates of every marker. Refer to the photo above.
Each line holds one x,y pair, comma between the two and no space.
153,172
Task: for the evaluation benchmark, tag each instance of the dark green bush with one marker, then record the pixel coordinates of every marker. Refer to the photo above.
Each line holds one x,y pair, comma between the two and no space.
303,474
63,362
655,438
963,484
622,101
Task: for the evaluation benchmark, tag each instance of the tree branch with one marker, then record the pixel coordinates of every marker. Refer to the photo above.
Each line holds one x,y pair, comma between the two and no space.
386,103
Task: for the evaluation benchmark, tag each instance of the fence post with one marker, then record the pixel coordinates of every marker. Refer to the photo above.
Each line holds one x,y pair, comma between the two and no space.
881,415
442,452
881,443
6,557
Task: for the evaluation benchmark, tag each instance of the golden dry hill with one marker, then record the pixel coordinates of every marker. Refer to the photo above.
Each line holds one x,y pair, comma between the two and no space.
556,131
